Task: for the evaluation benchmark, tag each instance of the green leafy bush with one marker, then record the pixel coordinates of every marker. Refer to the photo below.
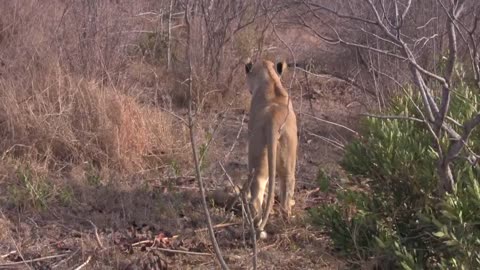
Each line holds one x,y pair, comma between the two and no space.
395,216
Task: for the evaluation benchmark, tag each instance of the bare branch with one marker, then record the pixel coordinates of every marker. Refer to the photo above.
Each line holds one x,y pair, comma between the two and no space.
97,237
198,175
405,12
382,25
452,58
331,123
381,38
330,141
32,260
435,109
328,40
339,40
394,117
456,147
343,16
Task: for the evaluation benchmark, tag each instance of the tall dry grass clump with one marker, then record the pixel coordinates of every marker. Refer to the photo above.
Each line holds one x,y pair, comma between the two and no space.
62,119
63,96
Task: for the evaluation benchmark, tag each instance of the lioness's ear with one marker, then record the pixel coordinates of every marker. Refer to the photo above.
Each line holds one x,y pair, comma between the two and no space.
281,66
248,67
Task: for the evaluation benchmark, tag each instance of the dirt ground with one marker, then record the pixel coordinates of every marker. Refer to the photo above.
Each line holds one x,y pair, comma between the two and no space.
135,222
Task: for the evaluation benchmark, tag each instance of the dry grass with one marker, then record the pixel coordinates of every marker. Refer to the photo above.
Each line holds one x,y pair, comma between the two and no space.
76,121
83,138
64,99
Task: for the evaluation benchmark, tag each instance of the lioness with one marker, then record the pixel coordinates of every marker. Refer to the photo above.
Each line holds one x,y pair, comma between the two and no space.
272,143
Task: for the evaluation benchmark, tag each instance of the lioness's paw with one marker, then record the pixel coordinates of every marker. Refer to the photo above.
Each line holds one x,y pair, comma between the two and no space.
262,235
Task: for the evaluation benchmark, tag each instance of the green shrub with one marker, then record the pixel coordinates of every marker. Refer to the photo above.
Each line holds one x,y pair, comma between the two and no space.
458,225
396,217
30,190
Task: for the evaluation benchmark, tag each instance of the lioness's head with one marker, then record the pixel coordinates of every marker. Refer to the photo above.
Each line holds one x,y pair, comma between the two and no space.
263,73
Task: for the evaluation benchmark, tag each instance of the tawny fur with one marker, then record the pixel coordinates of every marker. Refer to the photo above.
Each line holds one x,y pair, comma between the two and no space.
272,144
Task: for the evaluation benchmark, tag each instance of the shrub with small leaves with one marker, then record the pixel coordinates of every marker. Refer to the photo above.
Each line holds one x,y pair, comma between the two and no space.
395,216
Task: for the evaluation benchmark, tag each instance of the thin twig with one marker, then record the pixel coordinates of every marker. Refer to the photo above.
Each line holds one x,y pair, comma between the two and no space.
181,119
330,122
66,259
218,226
330,141
236,138
336,13
215,130
33,260
246,213
143,242
97,237
338,76
8,254
198,175
394,117
19,252
183,251
84,264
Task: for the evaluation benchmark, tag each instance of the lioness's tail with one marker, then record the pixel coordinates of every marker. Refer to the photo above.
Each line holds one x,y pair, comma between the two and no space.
272,142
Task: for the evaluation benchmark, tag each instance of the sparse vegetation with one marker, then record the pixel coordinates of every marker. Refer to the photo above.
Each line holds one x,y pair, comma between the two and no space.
31,191
96,164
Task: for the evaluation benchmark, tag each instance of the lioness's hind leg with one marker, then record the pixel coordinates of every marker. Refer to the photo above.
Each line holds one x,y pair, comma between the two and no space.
287,201
257,190
287,186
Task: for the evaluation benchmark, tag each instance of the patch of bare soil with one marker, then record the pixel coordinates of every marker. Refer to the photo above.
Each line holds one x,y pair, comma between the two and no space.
151,221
